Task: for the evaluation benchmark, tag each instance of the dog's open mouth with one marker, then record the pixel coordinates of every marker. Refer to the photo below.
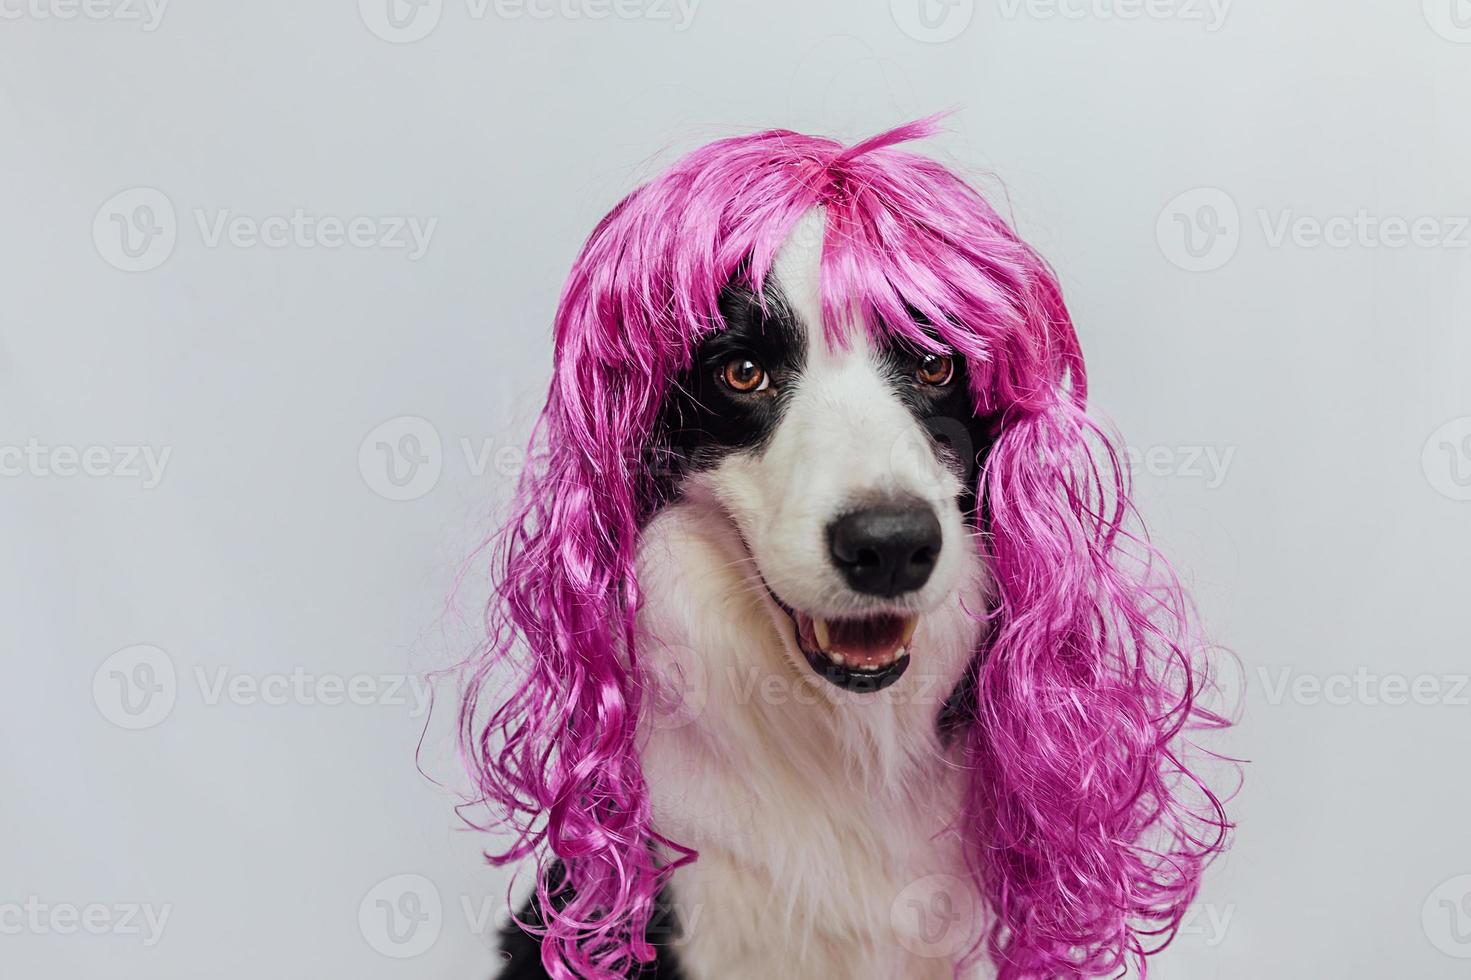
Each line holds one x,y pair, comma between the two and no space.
862,653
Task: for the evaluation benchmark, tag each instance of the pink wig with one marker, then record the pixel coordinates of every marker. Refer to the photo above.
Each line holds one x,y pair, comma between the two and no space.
1085,831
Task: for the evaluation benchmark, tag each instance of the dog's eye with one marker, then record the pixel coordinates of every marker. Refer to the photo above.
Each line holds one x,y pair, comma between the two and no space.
935,369
745,375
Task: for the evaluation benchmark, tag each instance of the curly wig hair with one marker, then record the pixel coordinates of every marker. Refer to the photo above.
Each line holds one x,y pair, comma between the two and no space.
1085,831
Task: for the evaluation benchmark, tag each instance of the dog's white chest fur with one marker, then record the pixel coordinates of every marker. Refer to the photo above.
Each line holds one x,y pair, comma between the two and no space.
821,817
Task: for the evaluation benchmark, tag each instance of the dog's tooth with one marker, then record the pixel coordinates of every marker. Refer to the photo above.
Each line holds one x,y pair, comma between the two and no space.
910,625
819,628
838,659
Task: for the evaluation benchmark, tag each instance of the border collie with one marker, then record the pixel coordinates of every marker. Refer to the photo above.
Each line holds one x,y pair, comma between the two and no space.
833,647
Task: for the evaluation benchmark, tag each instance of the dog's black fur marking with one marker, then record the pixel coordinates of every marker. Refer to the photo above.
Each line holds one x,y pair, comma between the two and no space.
522,951
704,420
959,437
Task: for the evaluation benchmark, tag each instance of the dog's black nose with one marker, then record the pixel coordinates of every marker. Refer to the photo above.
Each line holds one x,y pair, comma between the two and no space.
888,549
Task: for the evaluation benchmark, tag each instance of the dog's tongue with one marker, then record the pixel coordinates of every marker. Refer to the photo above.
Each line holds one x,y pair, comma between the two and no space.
866,642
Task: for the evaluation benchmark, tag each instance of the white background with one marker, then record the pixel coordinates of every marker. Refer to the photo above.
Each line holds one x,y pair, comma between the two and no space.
1328,381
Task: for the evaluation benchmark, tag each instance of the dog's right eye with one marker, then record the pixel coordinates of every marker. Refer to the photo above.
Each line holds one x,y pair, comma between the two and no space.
744,375
935,370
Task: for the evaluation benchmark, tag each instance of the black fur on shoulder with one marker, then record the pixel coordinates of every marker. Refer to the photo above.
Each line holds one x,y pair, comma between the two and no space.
521,951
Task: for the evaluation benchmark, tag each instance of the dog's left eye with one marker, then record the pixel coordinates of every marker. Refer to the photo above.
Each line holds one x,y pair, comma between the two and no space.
744,375
935,370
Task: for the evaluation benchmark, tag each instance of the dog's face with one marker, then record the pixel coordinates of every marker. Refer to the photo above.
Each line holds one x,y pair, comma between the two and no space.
847,469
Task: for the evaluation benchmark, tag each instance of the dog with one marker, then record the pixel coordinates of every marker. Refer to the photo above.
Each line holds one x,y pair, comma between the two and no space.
834,649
